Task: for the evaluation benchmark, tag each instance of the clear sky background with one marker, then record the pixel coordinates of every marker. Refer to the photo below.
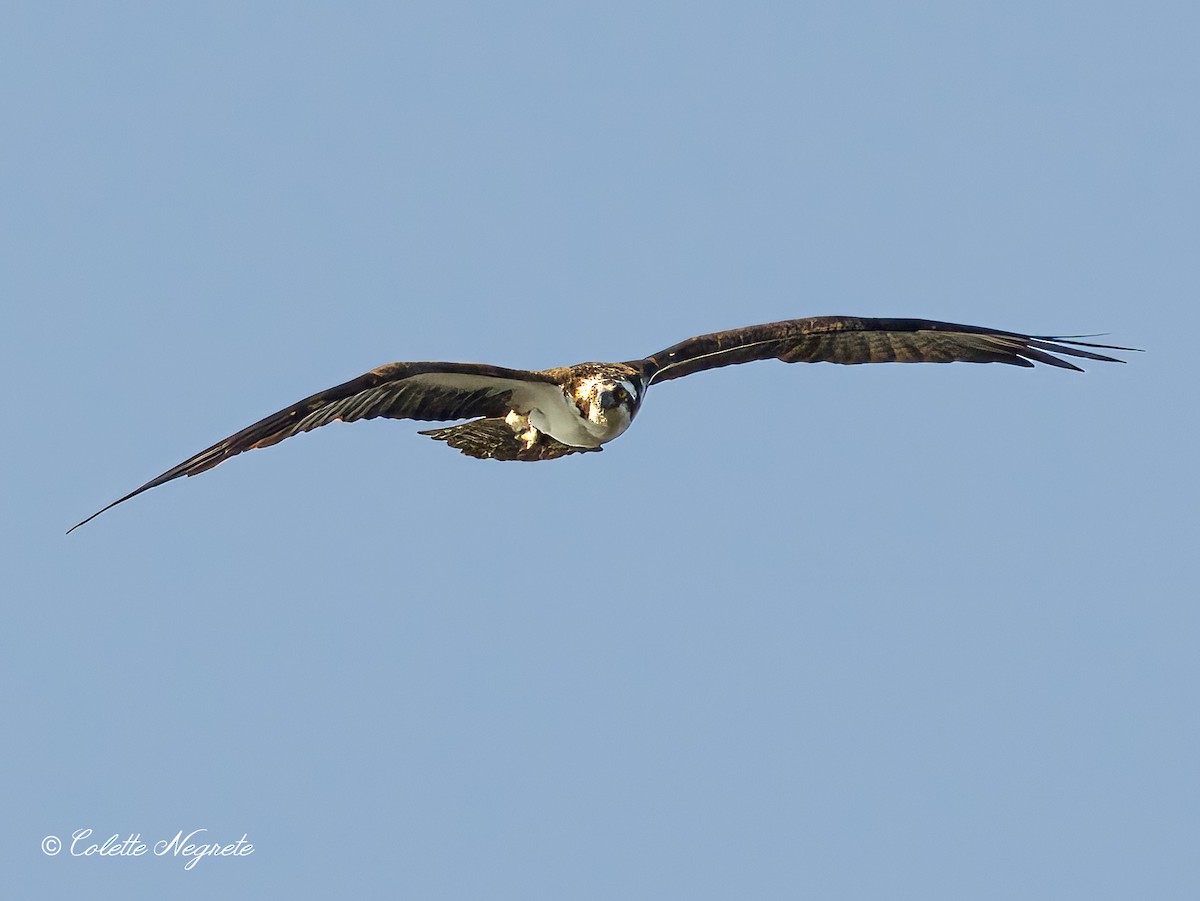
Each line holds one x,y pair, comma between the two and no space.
923,632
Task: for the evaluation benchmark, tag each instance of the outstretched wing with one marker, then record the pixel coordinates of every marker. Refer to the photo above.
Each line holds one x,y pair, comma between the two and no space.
425,391
849,339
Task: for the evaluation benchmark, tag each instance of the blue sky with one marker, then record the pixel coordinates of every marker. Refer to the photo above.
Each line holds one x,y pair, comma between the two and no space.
809,631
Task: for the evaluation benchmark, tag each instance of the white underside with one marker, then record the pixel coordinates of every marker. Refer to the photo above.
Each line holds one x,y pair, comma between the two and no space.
561,420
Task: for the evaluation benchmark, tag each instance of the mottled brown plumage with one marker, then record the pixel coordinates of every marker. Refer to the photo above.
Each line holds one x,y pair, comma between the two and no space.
494,439
542,415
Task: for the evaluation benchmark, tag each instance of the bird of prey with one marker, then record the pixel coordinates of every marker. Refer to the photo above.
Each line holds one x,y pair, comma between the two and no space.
518,414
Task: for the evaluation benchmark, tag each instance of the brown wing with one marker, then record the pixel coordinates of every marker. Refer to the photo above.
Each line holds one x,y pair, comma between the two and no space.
849,339
425,391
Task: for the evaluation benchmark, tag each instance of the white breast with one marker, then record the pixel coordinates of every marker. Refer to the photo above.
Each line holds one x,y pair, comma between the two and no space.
563,421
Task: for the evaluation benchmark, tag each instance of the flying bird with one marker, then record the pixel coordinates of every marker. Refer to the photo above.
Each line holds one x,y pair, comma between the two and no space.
519,414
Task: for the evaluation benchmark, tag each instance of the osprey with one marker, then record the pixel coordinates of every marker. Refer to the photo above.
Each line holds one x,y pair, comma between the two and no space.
518,414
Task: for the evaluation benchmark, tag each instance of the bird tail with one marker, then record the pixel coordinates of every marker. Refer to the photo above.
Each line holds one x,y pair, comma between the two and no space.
494,439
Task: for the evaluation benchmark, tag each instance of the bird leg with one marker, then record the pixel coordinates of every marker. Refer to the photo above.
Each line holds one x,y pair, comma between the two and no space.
525,431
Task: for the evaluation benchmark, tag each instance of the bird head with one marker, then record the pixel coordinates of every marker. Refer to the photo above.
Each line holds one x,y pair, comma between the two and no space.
609,403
